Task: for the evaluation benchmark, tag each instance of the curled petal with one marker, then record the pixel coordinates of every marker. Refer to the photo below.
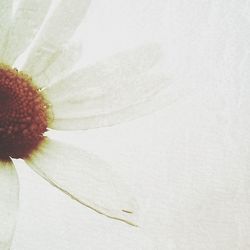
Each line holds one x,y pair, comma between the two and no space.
84,178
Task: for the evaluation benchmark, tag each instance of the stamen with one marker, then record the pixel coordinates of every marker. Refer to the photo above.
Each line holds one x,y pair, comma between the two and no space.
24,114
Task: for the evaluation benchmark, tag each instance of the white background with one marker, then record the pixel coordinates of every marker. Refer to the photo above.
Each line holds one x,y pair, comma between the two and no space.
188,164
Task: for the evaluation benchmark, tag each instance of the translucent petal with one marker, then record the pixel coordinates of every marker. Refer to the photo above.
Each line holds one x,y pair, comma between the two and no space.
101,112
5,19
116,90
57,31
67,57
9,190
26,23
134,61
84,178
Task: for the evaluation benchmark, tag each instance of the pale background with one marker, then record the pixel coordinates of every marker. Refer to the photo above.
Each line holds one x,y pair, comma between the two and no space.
188,164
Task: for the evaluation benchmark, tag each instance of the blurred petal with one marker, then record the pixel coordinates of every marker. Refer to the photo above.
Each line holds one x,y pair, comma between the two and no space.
9,189
145,58
26,23
67,57
116,90
57,31
5,19
84,178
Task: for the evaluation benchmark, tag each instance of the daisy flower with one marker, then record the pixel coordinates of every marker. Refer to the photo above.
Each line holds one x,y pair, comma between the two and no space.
44,93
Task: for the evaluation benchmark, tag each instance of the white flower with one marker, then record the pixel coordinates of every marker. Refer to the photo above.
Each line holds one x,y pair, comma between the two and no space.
119,89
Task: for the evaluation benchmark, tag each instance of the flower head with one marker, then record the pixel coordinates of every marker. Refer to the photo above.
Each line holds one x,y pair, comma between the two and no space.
24,114
43,93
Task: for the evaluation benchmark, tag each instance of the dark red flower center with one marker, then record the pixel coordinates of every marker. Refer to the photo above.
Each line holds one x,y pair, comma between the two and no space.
23,114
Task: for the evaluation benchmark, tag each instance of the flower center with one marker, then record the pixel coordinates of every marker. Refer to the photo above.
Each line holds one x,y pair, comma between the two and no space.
23,114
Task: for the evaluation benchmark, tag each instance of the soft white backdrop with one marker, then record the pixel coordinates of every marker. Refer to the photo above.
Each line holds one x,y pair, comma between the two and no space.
188,164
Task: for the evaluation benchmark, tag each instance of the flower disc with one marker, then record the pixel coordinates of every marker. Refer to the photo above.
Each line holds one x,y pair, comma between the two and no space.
23,114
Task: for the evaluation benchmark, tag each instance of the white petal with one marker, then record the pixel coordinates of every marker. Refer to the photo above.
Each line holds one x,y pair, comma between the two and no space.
67,57
145,58
57,31
9,190
84,178
117,90
26,23
5,19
